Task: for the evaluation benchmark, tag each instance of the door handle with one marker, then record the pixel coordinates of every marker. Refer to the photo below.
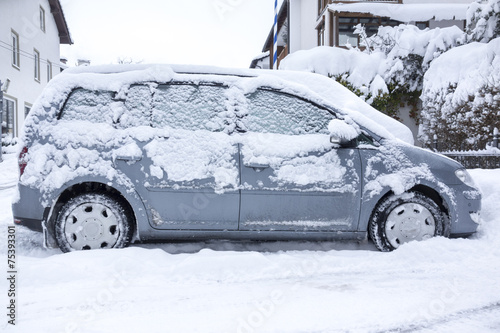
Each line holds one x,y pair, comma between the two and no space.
129,158
257,166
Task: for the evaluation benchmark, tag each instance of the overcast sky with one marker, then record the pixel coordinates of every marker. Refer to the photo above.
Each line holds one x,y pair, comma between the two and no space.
206,32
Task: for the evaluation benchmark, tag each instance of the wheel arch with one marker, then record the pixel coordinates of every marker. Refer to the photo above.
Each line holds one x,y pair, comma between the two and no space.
423,189
434,196
130,199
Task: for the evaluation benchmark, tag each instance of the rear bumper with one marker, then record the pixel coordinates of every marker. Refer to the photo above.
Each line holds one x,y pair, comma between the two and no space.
32,224
28,210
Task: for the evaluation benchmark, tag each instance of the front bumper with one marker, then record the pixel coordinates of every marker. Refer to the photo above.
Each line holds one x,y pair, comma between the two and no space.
465,219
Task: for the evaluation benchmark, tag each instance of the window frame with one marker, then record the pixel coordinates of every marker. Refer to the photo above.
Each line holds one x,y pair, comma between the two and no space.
5,114
36,59
42,19
28,107
49,70
16,52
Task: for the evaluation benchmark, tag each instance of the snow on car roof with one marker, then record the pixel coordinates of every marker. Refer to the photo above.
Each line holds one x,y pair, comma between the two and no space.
313,87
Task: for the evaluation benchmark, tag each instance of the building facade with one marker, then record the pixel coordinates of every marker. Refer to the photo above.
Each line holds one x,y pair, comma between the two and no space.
304,24
31,32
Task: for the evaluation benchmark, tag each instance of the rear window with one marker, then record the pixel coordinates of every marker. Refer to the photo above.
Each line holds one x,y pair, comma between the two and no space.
280,113
93,106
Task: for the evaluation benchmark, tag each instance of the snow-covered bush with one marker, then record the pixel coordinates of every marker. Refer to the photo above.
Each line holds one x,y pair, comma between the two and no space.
483,20
409,51
461,96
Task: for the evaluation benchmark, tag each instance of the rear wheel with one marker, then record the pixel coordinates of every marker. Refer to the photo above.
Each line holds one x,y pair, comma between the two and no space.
401,219
92,221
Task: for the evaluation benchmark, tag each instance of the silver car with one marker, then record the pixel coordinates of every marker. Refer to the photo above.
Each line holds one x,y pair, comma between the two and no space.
114,155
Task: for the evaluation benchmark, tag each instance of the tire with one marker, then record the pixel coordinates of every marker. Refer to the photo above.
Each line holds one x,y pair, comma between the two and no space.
92,221
399,219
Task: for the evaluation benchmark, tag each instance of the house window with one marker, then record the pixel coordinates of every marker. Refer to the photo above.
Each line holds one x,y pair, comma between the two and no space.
42,19
9,107
49,71
346,31
36,56
27,109
15,49
347,26
422,25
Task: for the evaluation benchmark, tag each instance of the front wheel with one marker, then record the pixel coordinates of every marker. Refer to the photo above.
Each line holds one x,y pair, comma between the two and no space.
92,221
404,218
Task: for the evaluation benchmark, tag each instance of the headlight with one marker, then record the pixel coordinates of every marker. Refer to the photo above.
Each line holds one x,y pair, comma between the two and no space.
465,177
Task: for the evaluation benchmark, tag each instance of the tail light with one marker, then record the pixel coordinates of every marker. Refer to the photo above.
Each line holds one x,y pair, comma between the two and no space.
22,160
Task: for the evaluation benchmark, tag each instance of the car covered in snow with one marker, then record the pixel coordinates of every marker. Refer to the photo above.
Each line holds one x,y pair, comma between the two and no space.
117,154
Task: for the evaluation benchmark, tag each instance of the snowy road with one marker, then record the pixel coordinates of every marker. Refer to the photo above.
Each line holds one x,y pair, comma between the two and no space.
440,285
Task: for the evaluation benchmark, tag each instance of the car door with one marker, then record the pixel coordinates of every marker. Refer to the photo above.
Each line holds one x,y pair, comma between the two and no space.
185,167
292,177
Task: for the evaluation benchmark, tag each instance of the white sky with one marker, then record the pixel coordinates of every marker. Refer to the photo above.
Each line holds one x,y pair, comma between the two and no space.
204,32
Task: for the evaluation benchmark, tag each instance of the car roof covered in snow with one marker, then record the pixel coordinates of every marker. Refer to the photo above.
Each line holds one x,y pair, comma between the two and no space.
313,87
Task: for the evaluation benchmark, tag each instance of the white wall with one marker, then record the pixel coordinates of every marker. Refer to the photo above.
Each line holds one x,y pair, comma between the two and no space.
22,16
309,14
303,15
447,23
295,25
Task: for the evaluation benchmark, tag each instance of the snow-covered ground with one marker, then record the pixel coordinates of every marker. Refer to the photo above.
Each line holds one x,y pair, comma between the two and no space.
440,285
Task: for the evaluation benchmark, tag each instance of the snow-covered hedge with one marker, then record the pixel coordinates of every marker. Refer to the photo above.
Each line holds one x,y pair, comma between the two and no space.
483,21
461,96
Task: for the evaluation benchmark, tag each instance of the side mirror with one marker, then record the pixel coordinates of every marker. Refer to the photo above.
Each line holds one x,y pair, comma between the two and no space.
342,133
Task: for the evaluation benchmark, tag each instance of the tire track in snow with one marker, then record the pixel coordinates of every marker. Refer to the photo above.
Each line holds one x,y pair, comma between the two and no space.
462,315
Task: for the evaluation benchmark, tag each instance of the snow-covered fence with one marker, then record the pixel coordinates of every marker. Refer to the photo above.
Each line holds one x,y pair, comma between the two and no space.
488,158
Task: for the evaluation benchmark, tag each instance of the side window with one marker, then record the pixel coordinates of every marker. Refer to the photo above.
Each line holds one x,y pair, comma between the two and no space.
280,113
189,106
137,107
93,106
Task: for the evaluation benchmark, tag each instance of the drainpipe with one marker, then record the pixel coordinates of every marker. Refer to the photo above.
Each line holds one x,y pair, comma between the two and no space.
495,137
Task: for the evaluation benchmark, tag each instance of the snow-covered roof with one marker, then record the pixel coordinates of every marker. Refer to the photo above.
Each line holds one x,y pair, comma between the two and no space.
314,87
406,12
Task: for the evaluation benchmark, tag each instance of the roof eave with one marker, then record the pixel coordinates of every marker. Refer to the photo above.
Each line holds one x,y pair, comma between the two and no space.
62,26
